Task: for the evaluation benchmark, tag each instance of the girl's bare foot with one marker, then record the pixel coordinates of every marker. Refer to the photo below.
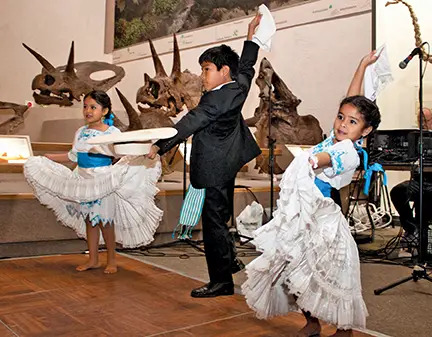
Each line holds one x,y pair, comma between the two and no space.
111,268
312,328
88,265
342,333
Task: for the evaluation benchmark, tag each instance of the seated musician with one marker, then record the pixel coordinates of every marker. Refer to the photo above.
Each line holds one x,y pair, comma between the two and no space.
408,190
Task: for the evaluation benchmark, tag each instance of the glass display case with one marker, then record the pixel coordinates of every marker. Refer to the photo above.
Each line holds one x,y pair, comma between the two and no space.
14,149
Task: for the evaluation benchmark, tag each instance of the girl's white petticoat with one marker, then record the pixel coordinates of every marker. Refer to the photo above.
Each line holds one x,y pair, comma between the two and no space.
307,251
122,193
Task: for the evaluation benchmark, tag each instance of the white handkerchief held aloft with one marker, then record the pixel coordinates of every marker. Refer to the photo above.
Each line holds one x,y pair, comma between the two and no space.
265,30
377,75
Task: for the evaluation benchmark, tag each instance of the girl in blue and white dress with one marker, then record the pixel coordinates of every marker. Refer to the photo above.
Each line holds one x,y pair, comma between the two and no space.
116,199
309,259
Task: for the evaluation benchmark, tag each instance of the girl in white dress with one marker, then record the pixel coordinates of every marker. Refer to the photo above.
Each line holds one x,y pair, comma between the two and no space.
116,199
309,259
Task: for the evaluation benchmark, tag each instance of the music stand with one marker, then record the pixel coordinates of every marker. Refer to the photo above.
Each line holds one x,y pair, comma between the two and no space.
419,270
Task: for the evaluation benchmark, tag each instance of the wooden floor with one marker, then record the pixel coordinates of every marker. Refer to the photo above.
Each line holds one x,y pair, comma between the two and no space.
45,296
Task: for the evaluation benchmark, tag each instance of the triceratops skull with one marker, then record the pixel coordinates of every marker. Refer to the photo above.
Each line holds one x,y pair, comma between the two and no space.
169,92
64,84
9,126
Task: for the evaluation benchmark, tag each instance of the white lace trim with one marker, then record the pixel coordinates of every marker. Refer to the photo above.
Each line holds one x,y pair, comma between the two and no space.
307,251
128,188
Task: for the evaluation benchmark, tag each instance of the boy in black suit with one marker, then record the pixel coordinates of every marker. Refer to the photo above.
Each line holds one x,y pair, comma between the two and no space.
221,145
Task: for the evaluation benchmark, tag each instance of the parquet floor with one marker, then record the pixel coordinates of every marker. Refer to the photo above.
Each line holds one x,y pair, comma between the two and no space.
45,296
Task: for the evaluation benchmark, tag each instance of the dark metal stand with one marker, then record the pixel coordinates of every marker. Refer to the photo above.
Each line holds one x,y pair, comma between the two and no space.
419,271
271,145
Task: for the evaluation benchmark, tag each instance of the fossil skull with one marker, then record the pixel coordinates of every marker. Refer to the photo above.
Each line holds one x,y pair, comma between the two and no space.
169,92
64,84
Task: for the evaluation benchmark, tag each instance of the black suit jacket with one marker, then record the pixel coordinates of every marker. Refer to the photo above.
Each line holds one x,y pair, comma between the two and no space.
222,143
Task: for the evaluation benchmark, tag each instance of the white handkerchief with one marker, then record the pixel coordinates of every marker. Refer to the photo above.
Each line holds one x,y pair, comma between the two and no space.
377,75
265,30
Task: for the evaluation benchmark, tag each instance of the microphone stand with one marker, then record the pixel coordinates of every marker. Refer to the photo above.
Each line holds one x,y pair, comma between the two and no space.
271,143
419,270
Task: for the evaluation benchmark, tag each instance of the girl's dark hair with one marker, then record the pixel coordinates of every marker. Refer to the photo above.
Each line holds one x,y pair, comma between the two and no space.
221,56
103,100
368,109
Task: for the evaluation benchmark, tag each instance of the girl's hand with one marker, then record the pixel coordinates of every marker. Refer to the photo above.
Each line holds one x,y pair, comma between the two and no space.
58,157
253,25
369,58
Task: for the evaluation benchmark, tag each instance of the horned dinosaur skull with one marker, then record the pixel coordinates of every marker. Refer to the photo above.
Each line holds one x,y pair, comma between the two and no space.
9,126
169,92
148,119
64,84
287,126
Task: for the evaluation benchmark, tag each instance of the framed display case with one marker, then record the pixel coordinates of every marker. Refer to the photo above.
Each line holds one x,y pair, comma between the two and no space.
14,149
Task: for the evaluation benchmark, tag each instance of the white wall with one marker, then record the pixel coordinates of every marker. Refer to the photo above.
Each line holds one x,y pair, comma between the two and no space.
47,26
394,27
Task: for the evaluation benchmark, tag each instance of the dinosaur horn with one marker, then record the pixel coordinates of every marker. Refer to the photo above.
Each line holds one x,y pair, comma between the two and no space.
70,67
157,62
146,78
48,66
134,121
176,62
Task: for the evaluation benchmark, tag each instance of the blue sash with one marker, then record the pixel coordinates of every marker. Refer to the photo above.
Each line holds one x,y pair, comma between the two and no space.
324,187
369,170
89,160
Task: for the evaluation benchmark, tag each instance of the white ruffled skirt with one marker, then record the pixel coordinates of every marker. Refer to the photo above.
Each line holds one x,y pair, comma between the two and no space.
307,251
122,194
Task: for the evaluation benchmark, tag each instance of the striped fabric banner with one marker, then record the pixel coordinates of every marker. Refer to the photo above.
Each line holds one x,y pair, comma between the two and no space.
190,212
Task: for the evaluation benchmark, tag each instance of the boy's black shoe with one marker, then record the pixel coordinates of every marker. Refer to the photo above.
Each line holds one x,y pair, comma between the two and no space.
237,265
214,289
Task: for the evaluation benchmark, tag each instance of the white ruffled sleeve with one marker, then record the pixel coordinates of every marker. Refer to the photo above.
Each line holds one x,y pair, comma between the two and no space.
344,158
73,153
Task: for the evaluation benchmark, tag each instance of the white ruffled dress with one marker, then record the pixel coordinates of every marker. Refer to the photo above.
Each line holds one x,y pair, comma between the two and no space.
122,194
307,249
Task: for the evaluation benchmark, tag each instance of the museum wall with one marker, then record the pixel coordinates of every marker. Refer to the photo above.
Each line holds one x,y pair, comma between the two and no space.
316,60
47,26
395,29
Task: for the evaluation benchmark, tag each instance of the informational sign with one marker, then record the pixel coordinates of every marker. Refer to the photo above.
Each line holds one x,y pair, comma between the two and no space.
288,17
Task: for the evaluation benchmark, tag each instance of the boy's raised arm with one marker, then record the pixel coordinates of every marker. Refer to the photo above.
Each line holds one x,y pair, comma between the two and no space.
253,26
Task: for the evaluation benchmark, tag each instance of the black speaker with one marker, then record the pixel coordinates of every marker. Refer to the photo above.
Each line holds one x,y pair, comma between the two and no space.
413,145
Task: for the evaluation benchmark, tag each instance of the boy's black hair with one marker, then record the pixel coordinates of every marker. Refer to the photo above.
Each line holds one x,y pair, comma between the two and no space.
368,109
101,98
221,56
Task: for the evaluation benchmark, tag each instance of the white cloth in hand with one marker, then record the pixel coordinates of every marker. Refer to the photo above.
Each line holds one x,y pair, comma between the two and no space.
265,30
377,75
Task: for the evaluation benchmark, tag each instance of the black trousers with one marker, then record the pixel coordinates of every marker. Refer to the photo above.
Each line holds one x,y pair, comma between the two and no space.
218,243
408,191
